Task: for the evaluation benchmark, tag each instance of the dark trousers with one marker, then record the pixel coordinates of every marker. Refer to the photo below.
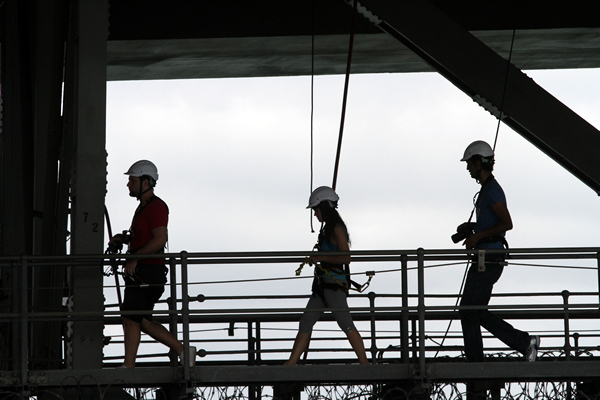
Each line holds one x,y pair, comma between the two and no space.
477,292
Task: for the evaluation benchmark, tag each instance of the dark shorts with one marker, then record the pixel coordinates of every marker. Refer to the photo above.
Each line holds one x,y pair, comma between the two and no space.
142,293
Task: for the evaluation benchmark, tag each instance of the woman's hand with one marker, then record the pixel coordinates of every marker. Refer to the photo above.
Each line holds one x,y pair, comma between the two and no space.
312,260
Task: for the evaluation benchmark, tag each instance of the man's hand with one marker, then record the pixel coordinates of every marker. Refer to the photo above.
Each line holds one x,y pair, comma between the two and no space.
117,238
129,267
471,241
465,225
115,244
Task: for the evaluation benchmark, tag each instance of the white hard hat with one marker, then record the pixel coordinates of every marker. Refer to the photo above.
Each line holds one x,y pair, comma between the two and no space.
478,148
322,193
143,167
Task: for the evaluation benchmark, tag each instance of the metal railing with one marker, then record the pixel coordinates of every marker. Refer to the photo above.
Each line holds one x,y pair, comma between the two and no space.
412,308
410,325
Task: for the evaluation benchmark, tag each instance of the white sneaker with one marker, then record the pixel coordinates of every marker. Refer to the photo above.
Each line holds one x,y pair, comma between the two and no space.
532,349
191,356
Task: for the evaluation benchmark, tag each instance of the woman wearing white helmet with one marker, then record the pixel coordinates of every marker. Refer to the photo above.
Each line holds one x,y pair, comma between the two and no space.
331,282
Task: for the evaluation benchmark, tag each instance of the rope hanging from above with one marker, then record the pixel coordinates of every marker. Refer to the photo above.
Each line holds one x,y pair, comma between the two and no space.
512,43
345,97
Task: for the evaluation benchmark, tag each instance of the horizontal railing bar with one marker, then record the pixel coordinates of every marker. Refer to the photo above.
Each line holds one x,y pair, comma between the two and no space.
558,310
587,252
377,295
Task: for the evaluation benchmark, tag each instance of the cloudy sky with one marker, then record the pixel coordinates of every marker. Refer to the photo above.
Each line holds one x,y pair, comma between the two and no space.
234,158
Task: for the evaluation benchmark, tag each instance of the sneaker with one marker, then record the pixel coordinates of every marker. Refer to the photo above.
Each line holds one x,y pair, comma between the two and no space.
191,356
532,349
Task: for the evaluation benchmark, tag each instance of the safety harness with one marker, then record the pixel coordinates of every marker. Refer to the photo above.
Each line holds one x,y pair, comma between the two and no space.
495,238
346,285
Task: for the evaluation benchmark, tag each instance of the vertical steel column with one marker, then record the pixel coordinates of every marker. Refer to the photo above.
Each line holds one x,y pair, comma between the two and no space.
16,169
404,313
49,34
185,314
421,308
87,80
17,128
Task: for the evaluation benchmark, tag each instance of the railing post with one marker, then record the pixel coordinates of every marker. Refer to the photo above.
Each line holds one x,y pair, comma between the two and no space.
255,391
415,340
372,296
598,271
421,309
251,346
258,344
185,315
173,305
404,313
565,295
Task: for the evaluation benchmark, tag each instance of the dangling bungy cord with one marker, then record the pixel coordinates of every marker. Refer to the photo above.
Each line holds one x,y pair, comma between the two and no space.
312,114
345,97
512,43
312,105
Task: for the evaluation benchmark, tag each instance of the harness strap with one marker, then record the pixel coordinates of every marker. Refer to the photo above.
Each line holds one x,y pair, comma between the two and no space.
357,287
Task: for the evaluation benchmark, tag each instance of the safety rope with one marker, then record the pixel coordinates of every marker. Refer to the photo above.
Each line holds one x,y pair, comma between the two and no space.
462,285
508,63
345,97
312,107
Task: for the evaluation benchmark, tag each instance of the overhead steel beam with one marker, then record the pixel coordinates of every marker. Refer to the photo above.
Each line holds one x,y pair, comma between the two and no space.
498,86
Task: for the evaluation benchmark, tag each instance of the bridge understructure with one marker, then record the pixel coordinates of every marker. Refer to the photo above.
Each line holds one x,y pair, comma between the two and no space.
57,56
243,338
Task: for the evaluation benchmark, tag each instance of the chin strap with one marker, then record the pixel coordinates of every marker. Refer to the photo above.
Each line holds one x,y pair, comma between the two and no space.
142,178
139,197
